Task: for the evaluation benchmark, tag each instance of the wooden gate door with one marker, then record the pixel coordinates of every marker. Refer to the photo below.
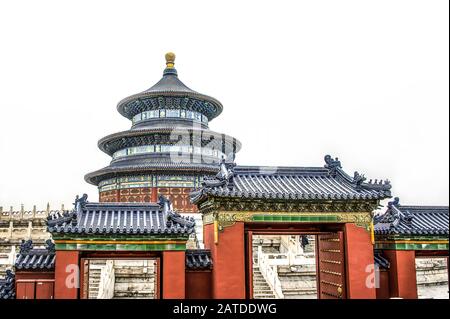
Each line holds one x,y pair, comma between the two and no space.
331,266
44,289
25,289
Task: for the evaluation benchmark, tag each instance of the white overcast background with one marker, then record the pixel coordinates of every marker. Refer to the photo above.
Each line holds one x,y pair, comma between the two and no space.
365,81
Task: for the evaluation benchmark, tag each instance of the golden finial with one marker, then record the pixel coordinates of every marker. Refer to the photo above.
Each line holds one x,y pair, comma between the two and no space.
170,59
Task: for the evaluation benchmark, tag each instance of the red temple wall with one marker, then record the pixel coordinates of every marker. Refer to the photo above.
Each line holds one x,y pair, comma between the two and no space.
359,263
402,273
179,196
228,275
174,275
67,274
198,285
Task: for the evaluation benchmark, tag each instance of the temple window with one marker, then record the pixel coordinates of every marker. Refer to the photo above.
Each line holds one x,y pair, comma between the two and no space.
170,113
185,149
139,181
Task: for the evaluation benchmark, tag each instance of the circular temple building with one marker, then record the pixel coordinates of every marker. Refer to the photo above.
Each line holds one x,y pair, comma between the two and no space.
169,148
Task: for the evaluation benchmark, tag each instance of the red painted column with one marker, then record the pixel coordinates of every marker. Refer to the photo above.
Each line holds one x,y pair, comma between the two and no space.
67,274
228,276
402,273
173,275
359,263
154,195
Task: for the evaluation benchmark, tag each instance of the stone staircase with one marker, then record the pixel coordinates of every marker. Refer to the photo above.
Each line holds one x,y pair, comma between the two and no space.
432,278
261,289
297,282
133,279
94,277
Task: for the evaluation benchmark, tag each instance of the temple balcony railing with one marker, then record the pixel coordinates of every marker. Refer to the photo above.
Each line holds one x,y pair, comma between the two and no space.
290,259
270,274
12,214
107,280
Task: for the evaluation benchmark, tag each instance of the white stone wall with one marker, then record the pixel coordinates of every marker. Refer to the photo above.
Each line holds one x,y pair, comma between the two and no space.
196,241
432,278
16,226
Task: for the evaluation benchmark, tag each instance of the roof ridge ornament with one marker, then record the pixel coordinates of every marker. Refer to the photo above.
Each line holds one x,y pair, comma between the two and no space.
170,60
225,176
332,165
164,203
358,179
170,64
395,202
25,246
378,185
407,217
176,218
50,246
80,203
59,218
172,216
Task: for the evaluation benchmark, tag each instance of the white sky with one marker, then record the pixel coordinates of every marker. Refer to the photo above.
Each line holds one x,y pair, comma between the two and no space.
367,81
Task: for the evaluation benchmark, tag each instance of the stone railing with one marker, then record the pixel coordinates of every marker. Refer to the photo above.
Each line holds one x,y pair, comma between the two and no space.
290,259
291,244
107,280
270,274
25,214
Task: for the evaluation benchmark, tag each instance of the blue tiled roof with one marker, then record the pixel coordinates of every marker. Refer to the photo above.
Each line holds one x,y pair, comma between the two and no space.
30,258
297,183
381,261
7,286
120,218
412,220
169,86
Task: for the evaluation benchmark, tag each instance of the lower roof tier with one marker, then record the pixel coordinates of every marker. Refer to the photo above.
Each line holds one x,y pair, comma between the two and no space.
174,95
169,136
155,166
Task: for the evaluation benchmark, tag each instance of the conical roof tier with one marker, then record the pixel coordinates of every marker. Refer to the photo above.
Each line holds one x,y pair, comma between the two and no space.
171,87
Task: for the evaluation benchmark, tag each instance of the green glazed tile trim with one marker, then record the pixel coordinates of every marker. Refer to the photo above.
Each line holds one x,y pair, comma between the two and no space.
121,247
300,219
120,238
411,246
